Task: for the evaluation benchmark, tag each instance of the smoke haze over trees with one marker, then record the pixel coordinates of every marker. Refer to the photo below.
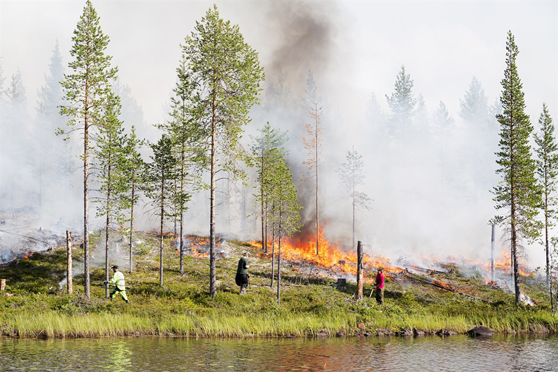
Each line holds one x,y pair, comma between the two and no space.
416,96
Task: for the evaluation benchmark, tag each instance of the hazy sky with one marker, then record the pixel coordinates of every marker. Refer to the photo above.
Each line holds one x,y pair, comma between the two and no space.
355,48
442,44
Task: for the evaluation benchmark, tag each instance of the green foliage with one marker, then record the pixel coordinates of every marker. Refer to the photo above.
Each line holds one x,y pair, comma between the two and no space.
225,73
518,192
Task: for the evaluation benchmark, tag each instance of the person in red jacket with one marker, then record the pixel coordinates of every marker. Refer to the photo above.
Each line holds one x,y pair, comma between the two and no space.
380,286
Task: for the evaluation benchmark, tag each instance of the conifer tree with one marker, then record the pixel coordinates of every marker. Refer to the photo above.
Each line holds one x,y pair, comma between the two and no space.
159,184
227,74
402,104
313,145
351,174
185,136
114,185
547,171
86,90
285,208
269,139
134,169
518,192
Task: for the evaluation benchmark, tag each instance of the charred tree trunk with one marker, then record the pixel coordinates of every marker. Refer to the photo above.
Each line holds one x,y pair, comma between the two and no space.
272,255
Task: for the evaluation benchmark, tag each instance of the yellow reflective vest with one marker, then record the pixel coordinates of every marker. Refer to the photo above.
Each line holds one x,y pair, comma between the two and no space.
118,280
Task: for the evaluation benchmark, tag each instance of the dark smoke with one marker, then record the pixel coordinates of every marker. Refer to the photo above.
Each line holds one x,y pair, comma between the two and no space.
308,30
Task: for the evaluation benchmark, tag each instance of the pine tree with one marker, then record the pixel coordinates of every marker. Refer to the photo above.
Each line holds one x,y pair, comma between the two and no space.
114,185
285,216
261,150
159,187
86,91
134,169
185,136
474,106
313,145
402,104
518,191
227,74
547,171
351,174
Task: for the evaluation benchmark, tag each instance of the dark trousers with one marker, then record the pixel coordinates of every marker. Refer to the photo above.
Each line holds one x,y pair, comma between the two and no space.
380,296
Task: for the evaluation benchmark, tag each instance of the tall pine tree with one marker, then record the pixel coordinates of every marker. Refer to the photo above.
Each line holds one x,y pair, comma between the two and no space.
227,74
86,90
518,192
547,170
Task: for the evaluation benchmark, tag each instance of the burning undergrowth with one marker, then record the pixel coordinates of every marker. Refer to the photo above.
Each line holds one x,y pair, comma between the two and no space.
461,276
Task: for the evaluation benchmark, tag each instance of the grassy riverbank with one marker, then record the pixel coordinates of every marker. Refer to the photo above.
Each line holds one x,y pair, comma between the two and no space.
33,304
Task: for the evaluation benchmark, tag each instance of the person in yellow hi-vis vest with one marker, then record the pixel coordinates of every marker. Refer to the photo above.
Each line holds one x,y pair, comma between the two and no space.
119,284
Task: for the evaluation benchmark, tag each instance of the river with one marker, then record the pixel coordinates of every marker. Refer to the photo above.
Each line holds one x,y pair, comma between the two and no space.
456,353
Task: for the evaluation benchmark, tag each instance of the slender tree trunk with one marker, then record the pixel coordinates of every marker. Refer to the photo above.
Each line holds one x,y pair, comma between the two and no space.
317,190
181,241
264,214
87,285
132,219
69,273
107,224
492,255
514,248
212,270
272,255
354,215
279,263
161,242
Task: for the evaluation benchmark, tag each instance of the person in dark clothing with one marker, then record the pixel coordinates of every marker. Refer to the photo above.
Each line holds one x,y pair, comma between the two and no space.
242,277
380,286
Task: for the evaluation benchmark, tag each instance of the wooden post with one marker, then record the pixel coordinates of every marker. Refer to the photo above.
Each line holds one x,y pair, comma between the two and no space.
69,259
2,284
360,271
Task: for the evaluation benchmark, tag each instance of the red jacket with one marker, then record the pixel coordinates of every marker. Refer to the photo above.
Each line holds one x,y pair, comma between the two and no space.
380,281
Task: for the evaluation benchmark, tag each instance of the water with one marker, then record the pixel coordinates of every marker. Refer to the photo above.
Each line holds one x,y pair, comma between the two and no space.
457,353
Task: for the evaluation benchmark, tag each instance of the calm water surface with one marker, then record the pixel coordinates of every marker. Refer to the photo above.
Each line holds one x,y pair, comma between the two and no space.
457,353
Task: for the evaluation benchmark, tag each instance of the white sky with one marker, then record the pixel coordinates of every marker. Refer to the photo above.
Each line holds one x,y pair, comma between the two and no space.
442,44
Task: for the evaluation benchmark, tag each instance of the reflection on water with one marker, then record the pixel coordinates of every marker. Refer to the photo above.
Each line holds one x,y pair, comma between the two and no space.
457,353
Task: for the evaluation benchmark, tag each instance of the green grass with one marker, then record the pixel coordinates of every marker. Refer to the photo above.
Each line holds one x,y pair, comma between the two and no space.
37,307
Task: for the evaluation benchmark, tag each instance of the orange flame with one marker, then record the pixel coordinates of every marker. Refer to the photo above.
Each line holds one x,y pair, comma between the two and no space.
303,248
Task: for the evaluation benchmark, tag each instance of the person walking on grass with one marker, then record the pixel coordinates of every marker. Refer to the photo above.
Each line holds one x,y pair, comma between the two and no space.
119,284
242,277
380,286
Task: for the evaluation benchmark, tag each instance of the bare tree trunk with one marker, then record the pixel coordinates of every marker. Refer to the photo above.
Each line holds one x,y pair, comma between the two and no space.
87,285
181,241
132,219
161,242
272,255
107,230
212,270
492,255
317,189
279,263
514,250
107,253
69,274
